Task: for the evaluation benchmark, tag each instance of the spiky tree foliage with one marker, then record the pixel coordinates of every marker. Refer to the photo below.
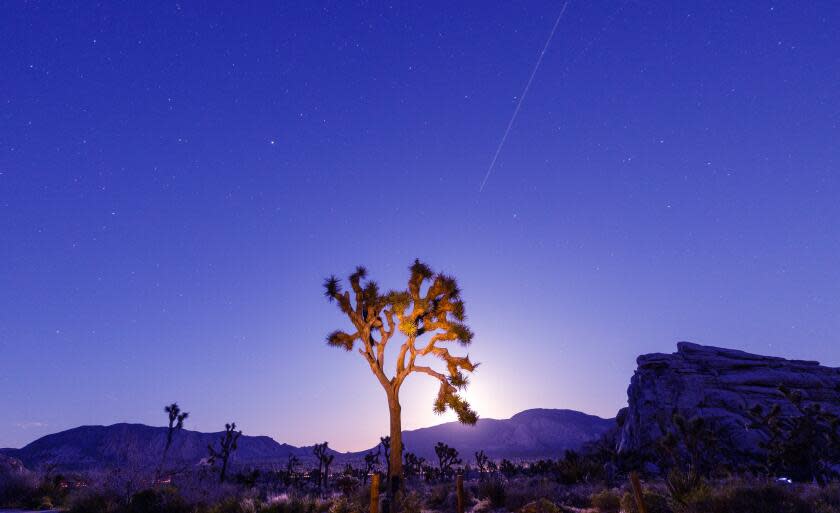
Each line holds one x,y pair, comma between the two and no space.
481,460
428,314
176,423
447,457
227,445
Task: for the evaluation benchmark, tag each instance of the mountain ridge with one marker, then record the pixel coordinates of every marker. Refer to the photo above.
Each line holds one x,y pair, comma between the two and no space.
528,434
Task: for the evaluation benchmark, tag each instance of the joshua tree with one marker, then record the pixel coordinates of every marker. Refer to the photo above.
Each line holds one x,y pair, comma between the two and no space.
413,464
291,469
371,461
431,305
176,423
385,441
481,460
447,456
321,451
508,468
328,459
227,444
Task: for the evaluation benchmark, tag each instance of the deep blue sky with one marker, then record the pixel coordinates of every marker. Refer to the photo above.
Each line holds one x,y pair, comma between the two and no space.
176,180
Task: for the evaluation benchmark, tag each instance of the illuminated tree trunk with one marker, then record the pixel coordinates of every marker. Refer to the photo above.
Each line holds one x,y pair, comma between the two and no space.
396,440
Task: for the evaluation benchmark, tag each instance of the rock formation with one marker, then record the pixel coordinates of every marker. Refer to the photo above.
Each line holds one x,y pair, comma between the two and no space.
720,385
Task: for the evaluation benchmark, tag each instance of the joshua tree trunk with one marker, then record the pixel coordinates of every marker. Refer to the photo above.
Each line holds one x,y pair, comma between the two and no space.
223,473
395,462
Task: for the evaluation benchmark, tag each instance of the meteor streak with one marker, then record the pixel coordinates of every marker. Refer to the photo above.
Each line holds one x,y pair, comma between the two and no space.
522,98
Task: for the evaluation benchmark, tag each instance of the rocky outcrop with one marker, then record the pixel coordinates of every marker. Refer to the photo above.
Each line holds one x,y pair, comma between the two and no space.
720,385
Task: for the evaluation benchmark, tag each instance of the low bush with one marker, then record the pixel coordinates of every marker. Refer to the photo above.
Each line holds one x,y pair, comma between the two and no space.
493,490
408,502
655,502
751,498
825,499
163,500
540,506
90,501
606,501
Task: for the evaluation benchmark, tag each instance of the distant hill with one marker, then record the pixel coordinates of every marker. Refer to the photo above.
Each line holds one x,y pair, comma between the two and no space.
140,446
529,434
538,433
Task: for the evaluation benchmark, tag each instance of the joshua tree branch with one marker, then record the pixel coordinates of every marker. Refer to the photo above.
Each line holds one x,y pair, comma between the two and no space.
430,371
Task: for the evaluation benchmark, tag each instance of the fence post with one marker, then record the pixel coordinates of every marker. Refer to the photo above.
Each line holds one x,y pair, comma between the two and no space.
459,490
374,493
637,492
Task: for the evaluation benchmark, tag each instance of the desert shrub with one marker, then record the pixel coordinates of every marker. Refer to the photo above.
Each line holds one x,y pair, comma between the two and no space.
751,498
540,506
578,496
298,505
826,499
347,484
441,497
685,487
606,501
90,501
654,501
494,491
410,502
342,505
516,498
165,500
227,505
576,468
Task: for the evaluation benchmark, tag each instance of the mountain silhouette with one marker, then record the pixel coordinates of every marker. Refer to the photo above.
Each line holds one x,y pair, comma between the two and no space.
530,434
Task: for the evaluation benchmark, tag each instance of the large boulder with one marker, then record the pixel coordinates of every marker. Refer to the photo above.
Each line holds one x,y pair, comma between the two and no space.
720,385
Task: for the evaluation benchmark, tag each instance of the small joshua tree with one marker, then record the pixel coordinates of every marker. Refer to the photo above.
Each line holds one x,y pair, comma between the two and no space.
447,456
508,468
176,423
481,460
325,459
227,445
385,441
431,305
291,470
328,459
413,464
371,462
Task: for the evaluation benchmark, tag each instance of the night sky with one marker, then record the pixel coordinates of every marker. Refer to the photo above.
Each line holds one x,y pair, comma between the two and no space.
176,181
